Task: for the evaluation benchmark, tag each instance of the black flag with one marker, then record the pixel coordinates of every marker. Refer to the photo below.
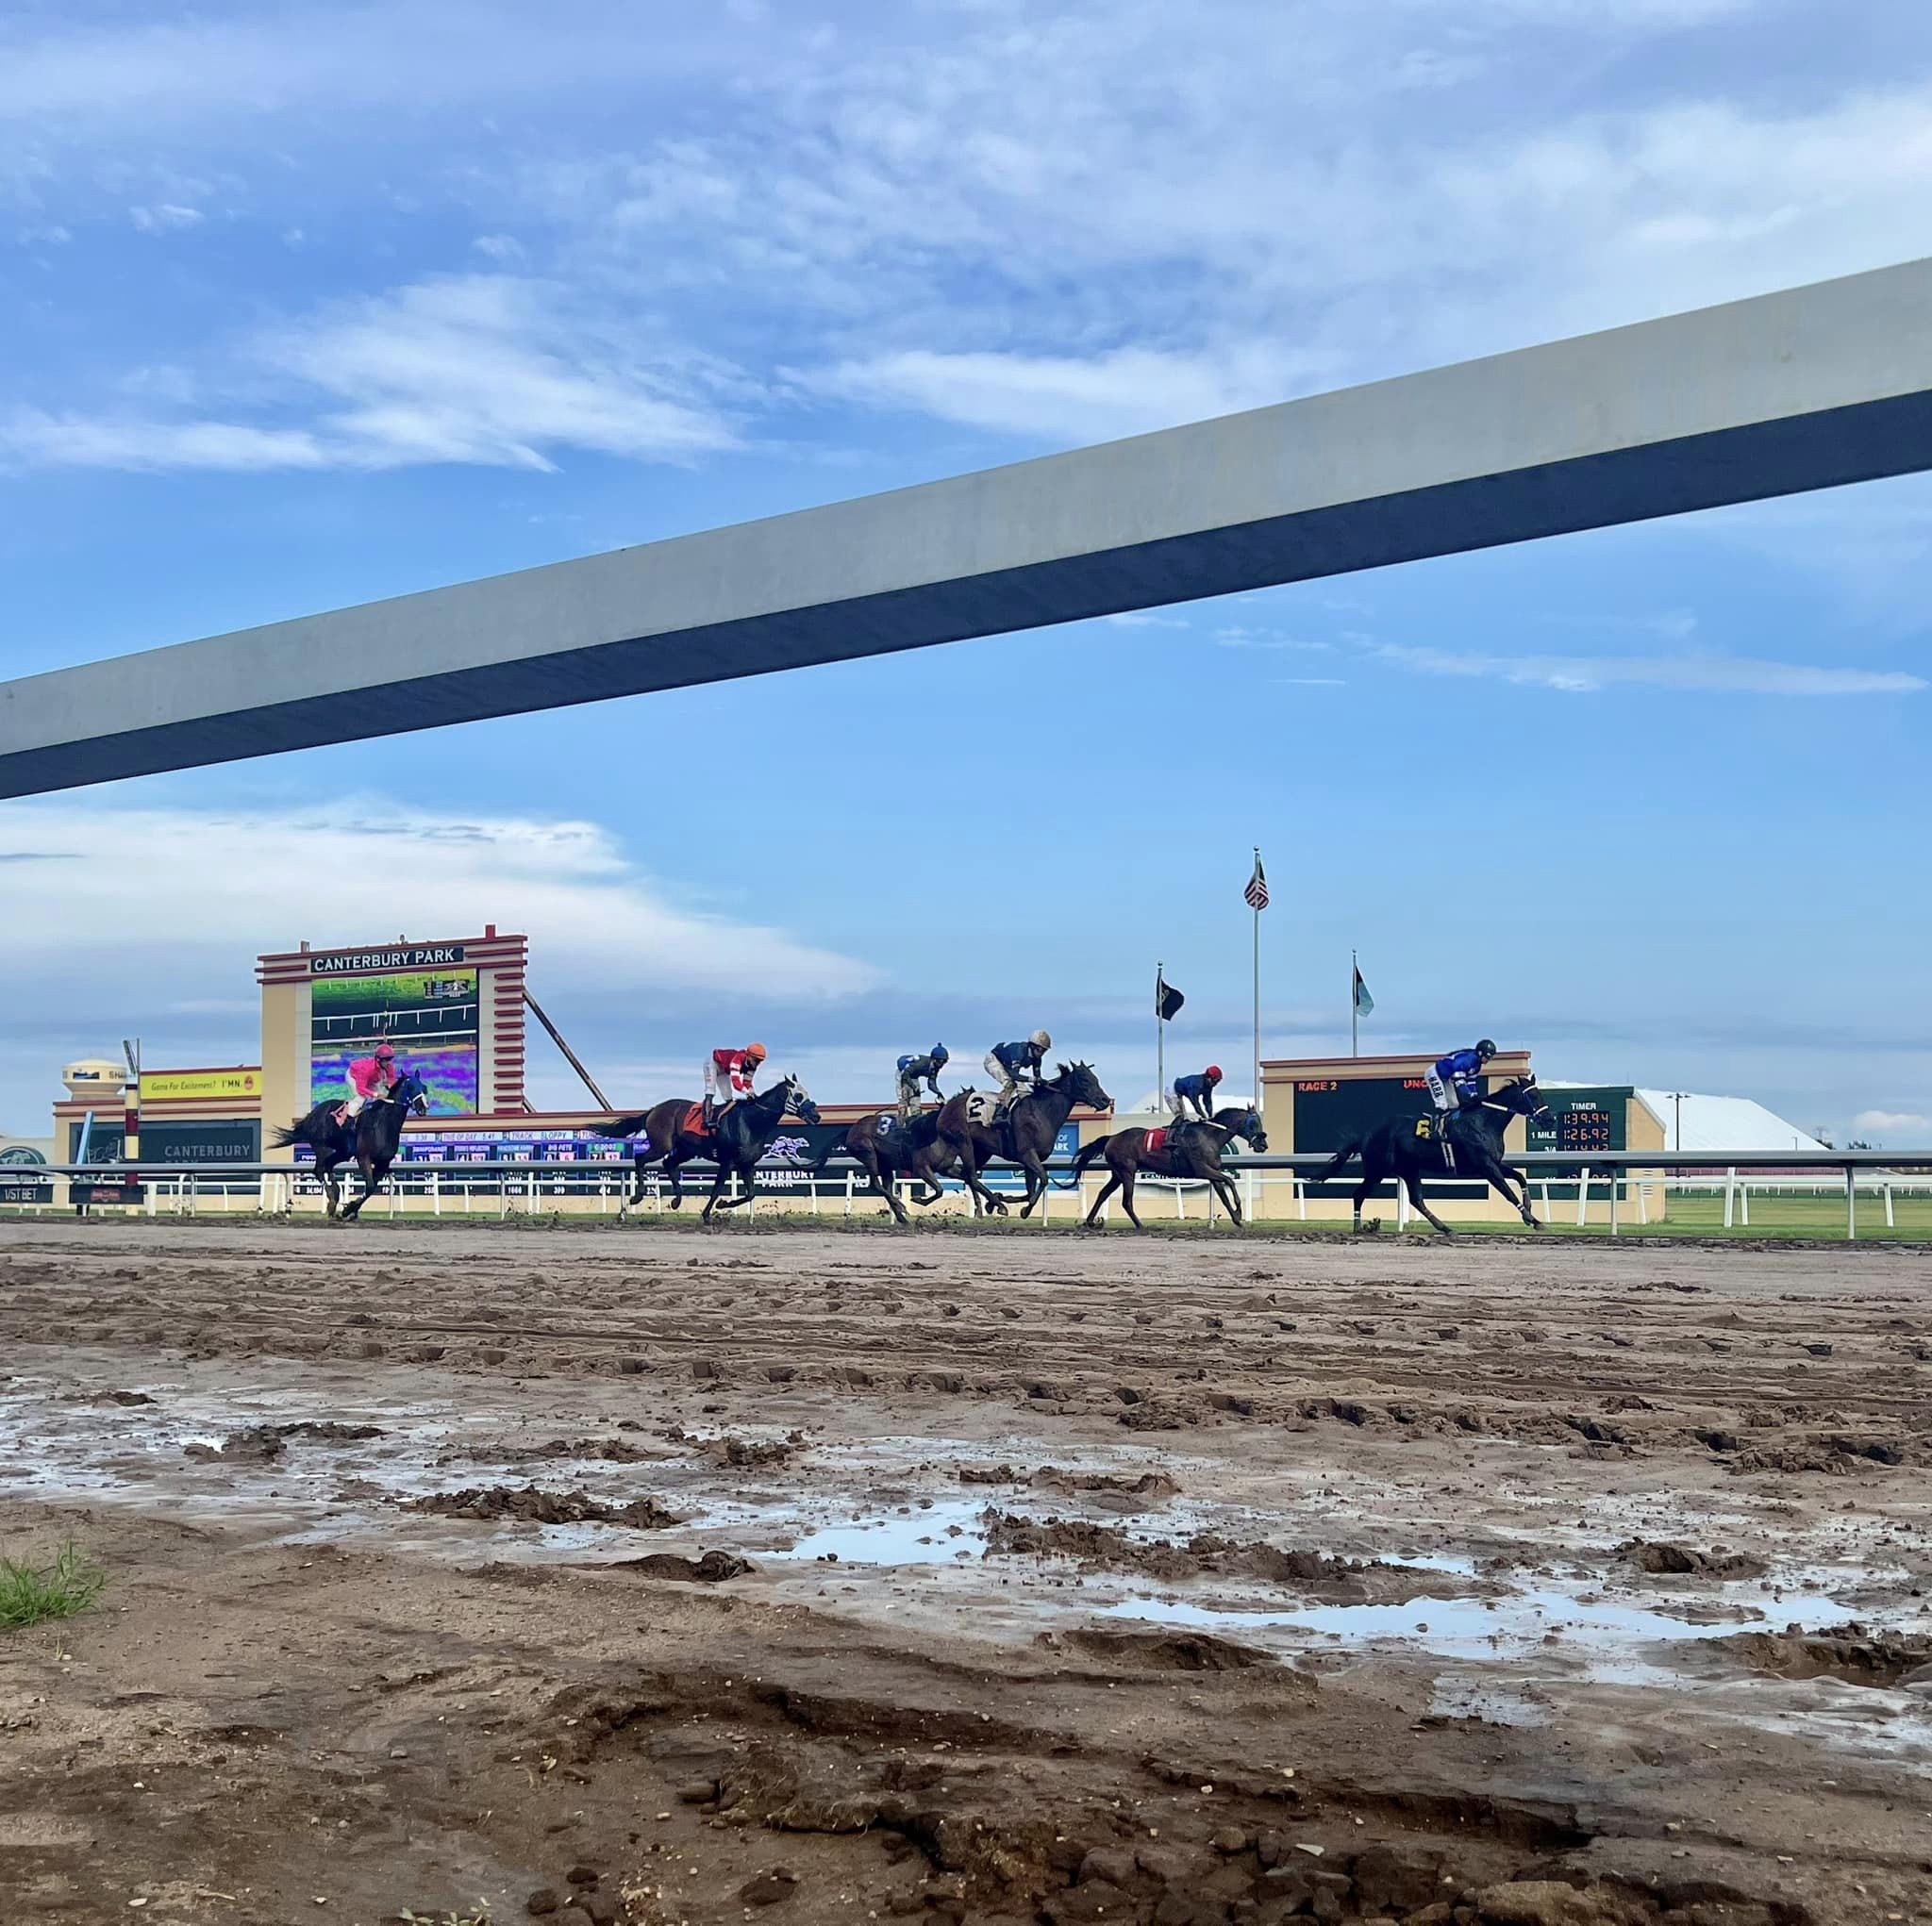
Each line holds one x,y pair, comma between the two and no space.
1167,1000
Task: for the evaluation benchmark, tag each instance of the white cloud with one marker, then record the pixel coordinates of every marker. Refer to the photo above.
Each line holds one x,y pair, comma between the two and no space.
1064,398
165,219
1690,674
208,889
495,370
1905,1125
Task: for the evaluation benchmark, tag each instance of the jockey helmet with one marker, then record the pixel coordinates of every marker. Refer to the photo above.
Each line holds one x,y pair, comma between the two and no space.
755,1052
1485,1048
1041,1040
385,1050
1213,1073
939,1053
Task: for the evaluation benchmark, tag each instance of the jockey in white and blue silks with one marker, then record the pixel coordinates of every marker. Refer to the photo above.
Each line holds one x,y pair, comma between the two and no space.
1456,1081
1011,1062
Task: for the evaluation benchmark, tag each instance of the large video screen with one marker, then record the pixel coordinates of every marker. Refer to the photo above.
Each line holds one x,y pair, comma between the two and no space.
432,1016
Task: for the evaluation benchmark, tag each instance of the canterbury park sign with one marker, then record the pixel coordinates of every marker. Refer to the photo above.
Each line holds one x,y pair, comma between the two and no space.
381,962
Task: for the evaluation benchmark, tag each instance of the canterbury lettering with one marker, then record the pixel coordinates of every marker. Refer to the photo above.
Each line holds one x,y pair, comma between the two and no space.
374,962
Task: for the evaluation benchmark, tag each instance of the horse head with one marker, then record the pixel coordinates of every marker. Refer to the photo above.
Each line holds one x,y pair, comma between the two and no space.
798,1101
411,1093
1248,1128
1525,1100
1082,1085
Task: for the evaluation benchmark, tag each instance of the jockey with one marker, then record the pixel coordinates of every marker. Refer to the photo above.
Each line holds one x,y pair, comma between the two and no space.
1198,1090
1456,1081
1010,1063
369,1076
914,1070
728,1075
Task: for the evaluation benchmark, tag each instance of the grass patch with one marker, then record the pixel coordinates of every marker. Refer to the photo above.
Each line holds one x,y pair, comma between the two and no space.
38,1594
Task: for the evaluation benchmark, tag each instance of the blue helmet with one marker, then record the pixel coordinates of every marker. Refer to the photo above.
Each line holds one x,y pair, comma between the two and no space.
939,1053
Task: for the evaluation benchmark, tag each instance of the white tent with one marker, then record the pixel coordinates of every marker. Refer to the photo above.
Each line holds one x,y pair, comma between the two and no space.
1724,1123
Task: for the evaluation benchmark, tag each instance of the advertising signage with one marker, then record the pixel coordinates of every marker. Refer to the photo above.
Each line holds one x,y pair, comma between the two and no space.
177,1085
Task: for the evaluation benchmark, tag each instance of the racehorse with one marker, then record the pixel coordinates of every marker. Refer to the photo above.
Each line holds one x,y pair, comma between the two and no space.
1412,1147
1186,1150
971,1130
370,1138
886,1150
675,1137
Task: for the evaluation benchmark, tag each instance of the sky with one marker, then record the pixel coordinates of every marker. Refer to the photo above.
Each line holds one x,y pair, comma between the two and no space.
302,305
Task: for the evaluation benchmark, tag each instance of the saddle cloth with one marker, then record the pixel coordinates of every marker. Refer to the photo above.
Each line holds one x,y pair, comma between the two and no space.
1157,1139
1436,1130
982,1108
693,1124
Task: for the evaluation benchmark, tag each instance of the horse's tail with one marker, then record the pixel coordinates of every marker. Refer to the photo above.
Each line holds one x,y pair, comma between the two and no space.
628,1125
1089,1151
282,1140
1353,1148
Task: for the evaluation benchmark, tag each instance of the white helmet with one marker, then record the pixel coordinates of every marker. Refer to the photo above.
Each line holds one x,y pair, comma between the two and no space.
1041,1040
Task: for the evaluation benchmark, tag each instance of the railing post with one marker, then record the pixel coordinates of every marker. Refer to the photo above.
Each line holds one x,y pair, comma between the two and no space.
1583,1198
1744,1202
1615,1184
1885,1190
1851,1205
849,1175
1730,1197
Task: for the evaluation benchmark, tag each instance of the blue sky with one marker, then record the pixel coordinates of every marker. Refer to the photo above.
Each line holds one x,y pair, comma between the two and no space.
300,306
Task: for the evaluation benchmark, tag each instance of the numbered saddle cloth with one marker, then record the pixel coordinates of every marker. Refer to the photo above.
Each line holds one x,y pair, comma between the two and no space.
983,1108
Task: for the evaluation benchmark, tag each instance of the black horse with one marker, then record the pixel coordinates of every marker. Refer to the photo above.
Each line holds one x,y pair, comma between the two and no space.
370,1140
1410,1148
971,1130
1185,1150
887,1150
743,1134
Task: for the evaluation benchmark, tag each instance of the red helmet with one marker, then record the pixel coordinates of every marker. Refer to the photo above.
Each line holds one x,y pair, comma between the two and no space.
1214,1072
385,1050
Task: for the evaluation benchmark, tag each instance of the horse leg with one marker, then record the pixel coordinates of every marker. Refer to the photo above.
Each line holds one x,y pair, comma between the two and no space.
1500,1178
718,1184
1037,1181
331,1187
1126,1183
984,1202
367,1165
1412,1181
672,1167
884,1185
1224,1186
1112,1183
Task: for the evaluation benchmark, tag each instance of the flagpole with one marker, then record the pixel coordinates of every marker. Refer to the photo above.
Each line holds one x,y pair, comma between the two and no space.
1257,1000
1160,1038
1355,1008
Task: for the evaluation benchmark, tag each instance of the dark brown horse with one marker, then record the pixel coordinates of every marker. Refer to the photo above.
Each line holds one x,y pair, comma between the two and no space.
1184,1150
743,1134
370,1139
971,1130
885,1151
1410,1148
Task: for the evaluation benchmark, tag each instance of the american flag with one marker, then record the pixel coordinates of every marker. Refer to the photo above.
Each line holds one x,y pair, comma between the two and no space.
1257,892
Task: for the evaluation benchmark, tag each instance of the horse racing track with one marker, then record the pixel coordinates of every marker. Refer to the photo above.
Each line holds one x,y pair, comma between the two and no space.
652,1576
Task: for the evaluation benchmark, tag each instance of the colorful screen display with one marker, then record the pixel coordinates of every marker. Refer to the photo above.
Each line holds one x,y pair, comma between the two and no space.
432,1016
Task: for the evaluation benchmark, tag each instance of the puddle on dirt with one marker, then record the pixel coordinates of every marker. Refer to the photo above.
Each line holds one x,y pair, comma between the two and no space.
888,1514
1601,1639
941,1534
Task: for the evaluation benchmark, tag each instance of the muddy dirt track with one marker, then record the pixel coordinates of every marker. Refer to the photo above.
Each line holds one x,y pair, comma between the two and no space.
636,1574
